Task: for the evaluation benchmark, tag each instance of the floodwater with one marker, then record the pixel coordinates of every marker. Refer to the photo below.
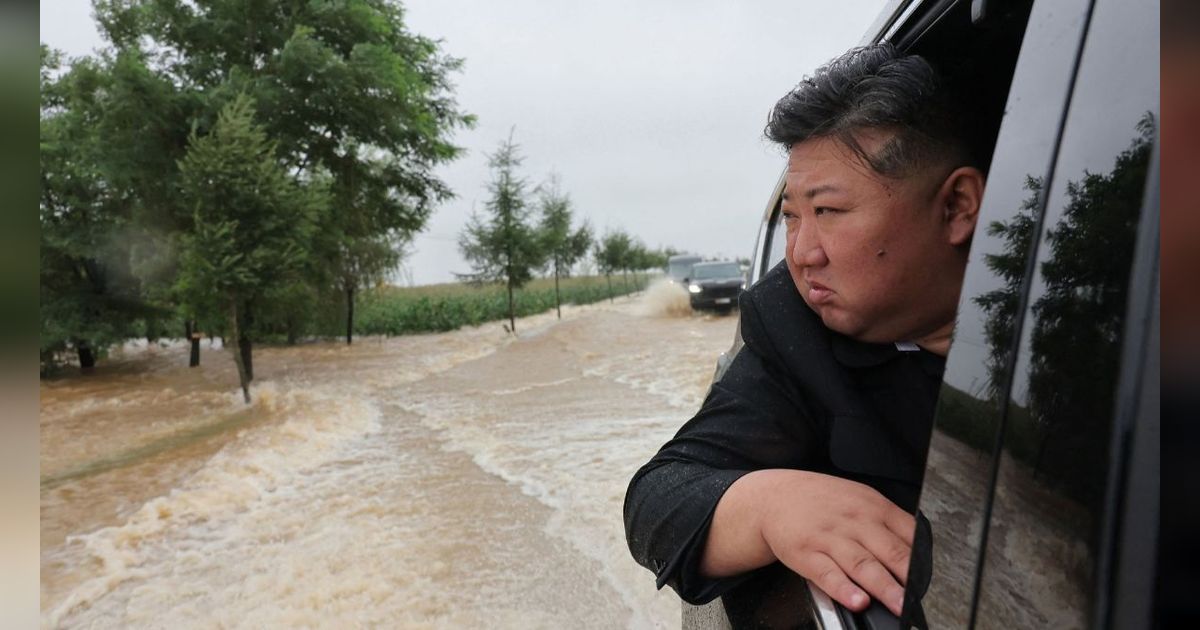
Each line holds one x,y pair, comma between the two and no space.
462,479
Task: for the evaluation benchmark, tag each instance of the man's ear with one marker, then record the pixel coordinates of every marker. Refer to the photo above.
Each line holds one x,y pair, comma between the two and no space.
959,198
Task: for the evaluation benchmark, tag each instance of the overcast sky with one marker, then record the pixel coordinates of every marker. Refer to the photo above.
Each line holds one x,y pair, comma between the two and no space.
651,113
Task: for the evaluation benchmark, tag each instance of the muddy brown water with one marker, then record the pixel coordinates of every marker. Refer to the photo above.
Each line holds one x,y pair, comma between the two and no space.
461,479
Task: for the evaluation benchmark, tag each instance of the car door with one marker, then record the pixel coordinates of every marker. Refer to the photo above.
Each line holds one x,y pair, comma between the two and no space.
1027,462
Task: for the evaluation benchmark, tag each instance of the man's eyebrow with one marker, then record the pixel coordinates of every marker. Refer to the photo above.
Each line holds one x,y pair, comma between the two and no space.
812,192
827,188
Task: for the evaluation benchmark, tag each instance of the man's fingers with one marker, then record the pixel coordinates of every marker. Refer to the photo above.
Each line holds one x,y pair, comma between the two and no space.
868,572
901,523
891,550
827,575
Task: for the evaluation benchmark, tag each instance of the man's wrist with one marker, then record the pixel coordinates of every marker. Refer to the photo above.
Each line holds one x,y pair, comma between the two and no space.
737,540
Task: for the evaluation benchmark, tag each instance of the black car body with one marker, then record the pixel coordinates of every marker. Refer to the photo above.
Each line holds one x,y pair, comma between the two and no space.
1041,483
714,285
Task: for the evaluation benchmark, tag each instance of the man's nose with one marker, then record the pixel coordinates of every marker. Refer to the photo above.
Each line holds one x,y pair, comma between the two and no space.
807,250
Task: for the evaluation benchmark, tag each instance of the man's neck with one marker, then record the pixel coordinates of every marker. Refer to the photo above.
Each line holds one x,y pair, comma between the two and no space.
937,342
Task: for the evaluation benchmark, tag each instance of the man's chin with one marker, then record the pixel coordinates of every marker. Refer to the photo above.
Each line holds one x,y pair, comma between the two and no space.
847,325
836,320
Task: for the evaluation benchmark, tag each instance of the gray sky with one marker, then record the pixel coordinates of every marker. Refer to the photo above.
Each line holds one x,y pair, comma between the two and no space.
651,113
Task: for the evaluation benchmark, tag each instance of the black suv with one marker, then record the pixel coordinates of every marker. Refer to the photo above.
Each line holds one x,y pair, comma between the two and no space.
714,285
1041,484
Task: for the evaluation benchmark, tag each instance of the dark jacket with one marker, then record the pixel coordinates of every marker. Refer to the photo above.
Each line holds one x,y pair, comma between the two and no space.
797,396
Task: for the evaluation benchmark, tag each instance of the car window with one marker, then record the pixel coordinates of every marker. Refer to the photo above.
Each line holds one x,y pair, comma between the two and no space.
1043,536
957,480
679,268
706,272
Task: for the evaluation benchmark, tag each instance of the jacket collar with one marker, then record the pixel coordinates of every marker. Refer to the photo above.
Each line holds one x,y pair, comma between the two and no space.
859,354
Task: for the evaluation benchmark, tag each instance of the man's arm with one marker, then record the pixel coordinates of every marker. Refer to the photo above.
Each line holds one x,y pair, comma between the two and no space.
671,500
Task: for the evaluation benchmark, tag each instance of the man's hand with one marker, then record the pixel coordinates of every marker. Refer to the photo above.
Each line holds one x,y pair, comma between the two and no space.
843,535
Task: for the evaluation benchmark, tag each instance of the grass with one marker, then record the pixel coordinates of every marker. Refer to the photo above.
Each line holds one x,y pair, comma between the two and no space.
441,307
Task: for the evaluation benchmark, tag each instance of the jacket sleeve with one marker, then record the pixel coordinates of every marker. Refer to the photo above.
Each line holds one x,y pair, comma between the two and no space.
751,420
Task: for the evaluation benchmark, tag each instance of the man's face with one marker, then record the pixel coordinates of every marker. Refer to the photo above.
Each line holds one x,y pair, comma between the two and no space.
873,256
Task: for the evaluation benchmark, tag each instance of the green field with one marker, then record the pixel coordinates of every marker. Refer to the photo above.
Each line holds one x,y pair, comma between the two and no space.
439,307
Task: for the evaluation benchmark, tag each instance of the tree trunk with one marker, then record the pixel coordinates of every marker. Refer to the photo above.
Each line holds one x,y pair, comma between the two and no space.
557,301
608,277
246,351
625,279
349,315
292,330
243,341
193,337
87,358
512,315
237,356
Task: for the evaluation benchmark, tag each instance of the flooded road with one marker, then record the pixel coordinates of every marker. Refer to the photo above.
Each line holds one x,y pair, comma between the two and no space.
453,480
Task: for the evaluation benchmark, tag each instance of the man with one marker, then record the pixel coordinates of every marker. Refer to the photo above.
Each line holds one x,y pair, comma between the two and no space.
808,452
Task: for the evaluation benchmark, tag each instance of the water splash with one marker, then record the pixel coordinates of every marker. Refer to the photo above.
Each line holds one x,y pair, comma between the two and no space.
664,298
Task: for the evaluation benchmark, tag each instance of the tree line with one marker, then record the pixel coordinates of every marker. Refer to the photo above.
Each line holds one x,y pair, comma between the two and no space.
524,231
231,164
243,170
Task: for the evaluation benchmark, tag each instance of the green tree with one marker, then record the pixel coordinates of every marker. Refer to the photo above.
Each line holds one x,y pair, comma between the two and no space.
365,261
90,297
657,258
505,247
354,101
612,254
639,258
561,245
253,224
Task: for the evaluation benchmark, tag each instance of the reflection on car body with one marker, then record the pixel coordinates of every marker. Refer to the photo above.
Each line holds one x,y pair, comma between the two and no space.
1041,481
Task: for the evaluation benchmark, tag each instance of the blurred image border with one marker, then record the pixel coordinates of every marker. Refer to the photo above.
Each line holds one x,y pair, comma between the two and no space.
18,280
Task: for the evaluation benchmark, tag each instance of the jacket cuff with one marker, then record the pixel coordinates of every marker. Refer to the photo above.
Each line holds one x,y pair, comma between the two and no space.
682,570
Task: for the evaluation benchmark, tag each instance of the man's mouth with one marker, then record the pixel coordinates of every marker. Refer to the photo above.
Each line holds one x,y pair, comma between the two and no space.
818,293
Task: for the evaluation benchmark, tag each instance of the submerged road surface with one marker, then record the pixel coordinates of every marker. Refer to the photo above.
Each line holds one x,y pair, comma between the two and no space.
464,479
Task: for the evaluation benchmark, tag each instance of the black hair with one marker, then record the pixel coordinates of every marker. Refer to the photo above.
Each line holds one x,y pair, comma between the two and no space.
876,87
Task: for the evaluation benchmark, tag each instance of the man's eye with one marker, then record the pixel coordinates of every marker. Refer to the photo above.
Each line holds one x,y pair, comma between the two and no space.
818,211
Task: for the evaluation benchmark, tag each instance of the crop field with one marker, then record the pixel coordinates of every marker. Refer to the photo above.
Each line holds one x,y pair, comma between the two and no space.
393,310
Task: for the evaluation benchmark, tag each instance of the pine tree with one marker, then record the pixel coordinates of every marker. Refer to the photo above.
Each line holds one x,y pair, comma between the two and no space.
504,247
561,246
253,224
